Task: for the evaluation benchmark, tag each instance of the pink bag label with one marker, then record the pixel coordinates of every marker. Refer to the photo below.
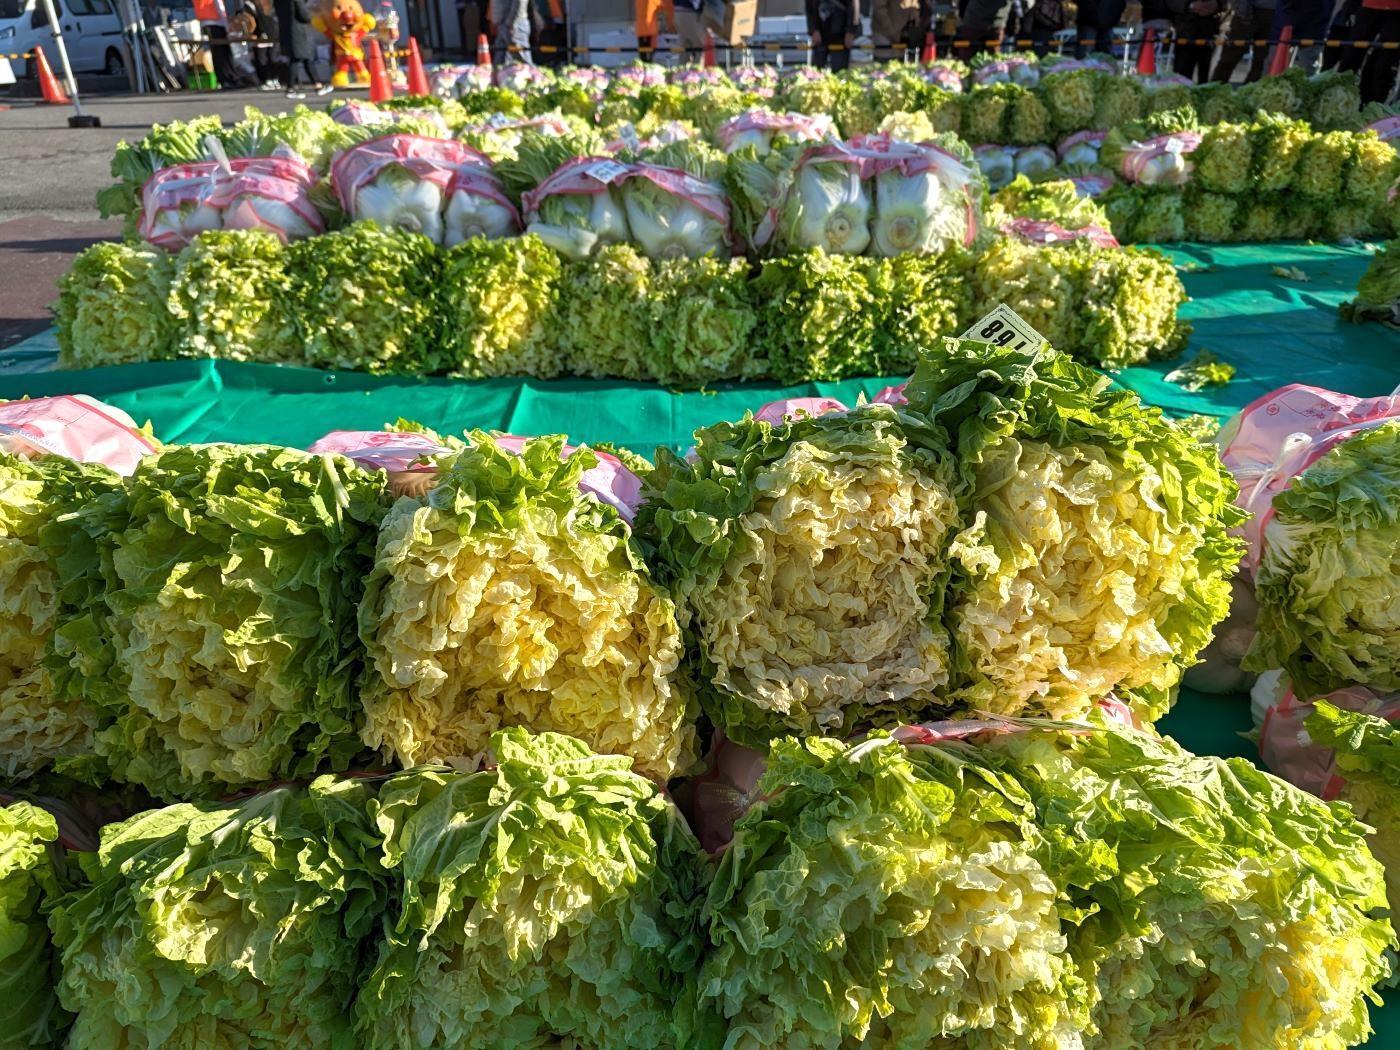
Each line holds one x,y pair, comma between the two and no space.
1035,231
75,426
1273,440
386,450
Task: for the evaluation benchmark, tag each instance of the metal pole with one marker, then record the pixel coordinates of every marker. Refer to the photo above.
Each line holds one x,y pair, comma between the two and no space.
78,120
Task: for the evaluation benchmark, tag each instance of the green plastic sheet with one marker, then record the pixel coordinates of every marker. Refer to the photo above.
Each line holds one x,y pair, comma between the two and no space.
1274,329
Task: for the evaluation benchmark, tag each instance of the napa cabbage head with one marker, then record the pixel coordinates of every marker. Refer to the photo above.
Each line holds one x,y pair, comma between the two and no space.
112,306
1325,584
828,206
1367,755
550,898
42,571
1207,903
667,222
235,571
32,874
809,560
225,925
892,896
1093,552
511,596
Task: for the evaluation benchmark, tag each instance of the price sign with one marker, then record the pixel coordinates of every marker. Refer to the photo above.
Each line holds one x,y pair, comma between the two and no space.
1005,327
607,171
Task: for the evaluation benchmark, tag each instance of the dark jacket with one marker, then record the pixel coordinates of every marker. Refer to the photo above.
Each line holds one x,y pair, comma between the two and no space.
298,39
842,16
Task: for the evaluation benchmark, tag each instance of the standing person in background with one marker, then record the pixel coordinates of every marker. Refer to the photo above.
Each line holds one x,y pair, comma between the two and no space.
1309,19
1247,20
1086,29
213,20
690,27
1341,28
892,22
1108,15
983,25
1041,22
833,25
263,48
298,48
1378,22
551,39
510,21
1195,20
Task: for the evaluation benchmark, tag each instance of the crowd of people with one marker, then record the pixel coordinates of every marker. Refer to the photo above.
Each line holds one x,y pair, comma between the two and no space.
279,44
1209,37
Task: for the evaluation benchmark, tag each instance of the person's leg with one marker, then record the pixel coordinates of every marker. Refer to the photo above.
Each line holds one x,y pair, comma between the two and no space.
1235,28
1365,27
1378,75
982,24
1261,27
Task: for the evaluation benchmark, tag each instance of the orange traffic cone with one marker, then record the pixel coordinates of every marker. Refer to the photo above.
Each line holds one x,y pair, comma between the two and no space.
1283,54
48,83
1147,56
380,89
930,52
709,61
483,51
417,78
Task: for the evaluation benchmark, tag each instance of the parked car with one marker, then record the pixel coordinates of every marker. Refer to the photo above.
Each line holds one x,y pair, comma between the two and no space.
92,32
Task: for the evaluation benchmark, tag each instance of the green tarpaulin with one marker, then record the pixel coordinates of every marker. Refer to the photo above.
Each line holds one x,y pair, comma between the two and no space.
1275,330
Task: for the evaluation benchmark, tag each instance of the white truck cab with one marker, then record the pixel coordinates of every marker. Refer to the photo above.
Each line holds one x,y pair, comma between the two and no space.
92,31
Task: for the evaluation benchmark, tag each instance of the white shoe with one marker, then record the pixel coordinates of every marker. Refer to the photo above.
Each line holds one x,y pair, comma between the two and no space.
325,89
296,94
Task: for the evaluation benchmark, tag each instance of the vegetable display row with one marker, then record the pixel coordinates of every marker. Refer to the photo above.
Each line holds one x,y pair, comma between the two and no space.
1008,533
389,301
956,882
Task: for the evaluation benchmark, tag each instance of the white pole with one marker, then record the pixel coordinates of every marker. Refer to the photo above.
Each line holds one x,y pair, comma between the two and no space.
63,60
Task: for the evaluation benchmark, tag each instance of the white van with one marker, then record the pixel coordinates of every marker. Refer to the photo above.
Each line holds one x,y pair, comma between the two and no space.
92,32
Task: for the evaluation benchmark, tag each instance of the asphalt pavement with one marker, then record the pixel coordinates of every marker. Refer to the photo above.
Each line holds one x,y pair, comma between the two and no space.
49,178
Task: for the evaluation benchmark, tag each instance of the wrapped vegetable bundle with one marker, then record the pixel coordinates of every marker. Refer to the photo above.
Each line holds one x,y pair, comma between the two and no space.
809,553
513,593
367,298
225,925
1320,473
440,188
48,569
498,298
31,878
231,298
1092,554
828,203
242,193
887,896
926,198
549,900
233,574
165,145
672,214
758,129
112,306
578,208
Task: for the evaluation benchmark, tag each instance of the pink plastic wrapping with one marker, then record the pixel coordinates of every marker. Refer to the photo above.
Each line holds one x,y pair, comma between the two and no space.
1137,154
76,426
798,126
429,159
1035,231
1079,138
706,196
386,450
945,77
1091,185
608,481
1388,128
585,176
1274,439
279,178
777,412
355,112
1287,750
992,73
873,155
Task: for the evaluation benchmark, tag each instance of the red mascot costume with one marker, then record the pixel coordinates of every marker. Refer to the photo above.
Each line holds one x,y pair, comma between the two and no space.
345,23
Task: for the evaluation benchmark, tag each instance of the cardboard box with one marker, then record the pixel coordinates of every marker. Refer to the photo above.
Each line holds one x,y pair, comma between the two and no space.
740,21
